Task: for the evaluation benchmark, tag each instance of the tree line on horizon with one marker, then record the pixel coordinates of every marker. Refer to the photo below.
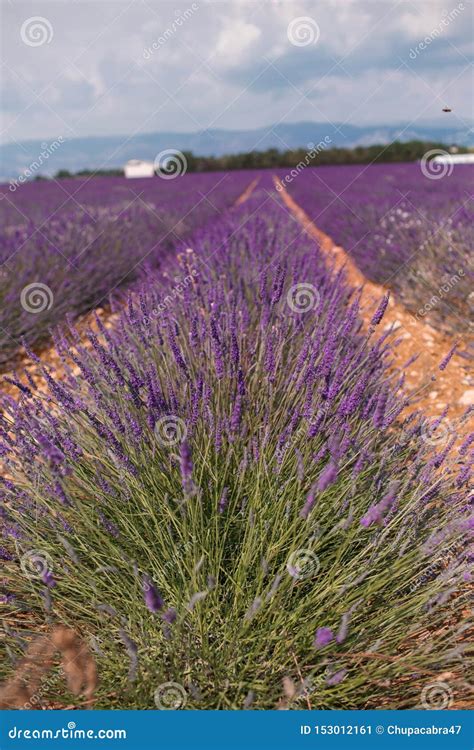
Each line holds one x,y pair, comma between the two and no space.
273,158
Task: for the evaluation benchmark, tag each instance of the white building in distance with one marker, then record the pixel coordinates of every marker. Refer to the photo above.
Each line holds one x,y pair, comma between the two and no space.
454,159
138,168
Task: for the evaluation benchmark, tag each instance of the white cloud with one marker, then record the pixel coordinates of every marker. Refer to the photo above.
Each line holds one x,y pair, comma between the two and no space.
211,70
234,42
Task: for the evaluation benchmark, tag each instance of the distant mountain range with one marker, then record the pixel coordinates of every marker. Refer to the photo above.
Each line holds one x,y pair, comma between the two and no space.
107,152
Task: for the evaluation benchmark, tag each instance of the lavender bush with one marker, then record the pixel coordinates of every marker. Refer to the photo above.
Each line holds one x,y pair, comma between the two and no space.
218,498
66,245
404,229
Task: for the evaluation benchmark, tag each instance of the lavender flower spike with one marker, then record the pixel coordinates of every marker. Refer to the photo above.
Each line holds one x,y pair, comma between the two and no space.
380,311
378,511
223,500
186,466
153,600
336,678
310,498
328,476
444,363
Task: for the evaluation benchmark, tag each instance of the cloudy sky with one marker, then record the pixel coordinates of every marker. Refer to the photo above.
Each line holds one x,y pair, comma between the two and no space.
76,68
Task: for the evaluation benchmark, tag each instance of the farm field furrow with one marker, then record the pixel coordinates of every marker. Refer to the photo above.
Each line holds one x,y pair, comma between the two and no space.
222,491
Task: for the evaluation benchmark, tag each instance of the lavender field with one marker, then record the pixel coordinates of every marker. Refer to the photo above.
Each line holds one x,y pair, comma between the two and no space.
230,492
407,229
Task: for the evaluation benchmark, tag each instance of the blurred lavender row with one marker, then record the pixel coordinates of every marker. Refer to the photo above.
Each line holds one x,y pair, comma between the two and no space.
75,241
411,231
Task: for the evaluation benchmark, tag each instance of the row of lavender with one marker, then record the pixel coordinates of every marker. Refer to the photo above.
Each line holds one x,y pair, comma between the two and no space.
66,245
217,497
408,226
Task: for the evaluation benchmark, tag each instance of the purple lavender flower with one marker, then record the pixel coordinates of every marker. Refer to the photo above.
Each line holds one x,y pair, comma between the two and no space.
186,466
321,453
336,677
444,363
379,414
223,500
234,346
378,511
108,525
278,284
194,333
217,346
360,464
380,311
48,579
269,361
218,436
153,600
466,443
55,456
177,352
236,415
308,506
170,615
323,637
240,382
327,477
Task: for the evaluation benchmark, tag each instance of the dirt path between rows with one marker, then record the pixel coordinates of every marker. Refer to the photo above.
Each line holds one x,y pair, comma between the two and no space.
247,192
451,386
